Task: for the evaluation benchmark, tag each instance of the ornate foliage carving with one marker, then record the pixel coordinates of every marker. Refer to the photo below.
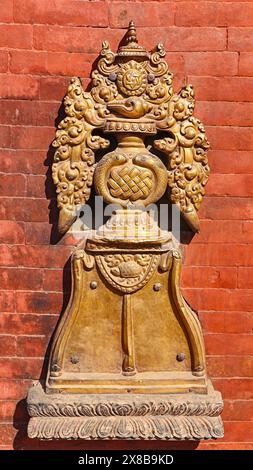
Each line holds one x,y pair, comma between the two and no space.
74,157
185,148
114,417
131,92
127,272
131,428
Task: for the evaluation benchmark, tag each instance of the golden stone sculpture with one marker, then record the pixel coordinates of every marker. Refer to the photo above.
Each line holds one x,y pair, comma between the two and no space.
127,359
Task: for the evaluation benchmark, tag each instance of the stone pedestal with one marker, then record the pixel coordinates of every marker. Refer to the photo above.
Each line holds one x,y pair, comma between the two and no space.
124,416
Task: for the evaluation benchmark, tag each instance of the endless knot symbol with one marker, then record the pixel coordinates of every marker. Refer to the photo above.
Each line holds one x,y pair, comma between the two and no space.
130,183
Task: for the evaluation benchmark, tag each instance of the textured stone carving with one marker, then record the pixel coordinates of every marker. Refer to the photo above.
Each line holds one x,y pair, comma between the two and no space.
113,417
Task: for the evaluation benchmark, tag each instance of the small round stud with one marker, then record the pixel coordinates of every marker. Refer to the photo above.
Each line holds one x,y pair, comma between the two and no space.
113,77
157,286
151,78
93,285
74,359
180,357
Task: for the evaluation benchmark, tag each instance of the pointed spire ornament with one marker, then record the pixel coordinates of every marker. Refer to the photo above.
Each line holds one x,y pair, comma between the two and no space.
130,46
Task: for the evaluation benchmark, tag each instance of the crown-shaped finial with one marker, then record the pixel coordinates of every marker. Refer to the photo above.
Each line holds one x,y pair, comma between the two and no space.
131,35
129,46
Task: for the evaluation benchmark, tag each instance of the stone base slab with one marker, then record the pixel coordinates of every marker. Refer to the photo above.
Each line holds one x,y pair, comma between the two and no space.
112,416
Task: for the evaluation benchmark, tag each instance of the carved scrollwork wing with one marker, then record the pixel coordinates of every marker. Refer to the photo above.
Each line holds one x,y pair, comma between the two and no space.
75,144
185,147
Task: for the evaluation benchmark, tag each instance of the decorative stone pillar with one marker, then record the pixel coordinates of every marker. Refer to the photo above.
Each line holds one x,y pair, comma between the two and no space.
127,359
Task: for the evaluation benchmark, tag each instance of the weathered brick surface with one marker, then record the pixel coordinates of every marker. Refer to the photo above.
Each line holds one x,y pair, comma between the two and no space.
44,43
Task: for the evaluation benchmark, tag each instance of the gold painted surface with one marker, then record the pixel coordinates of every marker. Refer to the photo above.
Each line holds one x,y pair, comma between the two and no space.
157,329
127,322
127,359
131,96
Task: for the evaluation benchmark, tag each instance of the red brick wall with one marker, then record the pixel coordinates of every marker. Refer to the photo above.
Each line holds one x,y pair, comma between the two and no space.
42,44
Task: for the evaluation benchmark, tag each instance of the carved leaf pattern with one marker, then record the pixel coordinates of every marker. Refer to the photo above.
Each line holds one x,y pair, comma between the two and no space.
185,147
73,165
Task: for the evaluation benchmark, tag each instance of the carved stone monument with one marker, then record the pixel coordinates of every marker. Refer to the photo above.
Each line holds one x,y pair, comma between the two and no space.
127,360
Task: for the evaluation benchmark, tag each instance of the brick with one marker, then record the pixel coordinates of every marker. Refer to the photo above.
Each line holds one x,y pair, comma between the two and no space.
28,113
221,299
245,278
208,63
144,14
5,136
11,232
238,431
37,138
57,39
6,12
234,388
222,88
226,322
20,368
31,346
24,209
247,231
20,279
63,12
53,280
206,445
6,258
8,345
3,61
38,302
246,64
223,113
213,14
239,410
38,185
14,389
38,233
216,254
219,208
231,162
28,324
22,161
70,39
187,39
229,344
240,39
19,86
34,62
233,366
37,256
7,410
217,231
7,433
16,36
7,301
53,88
12,185
209,277
225,185
230,138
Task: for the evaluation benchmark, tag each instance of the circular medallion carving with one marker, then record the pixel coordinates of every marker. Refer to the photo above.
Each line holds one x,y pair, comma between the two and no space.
132,78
